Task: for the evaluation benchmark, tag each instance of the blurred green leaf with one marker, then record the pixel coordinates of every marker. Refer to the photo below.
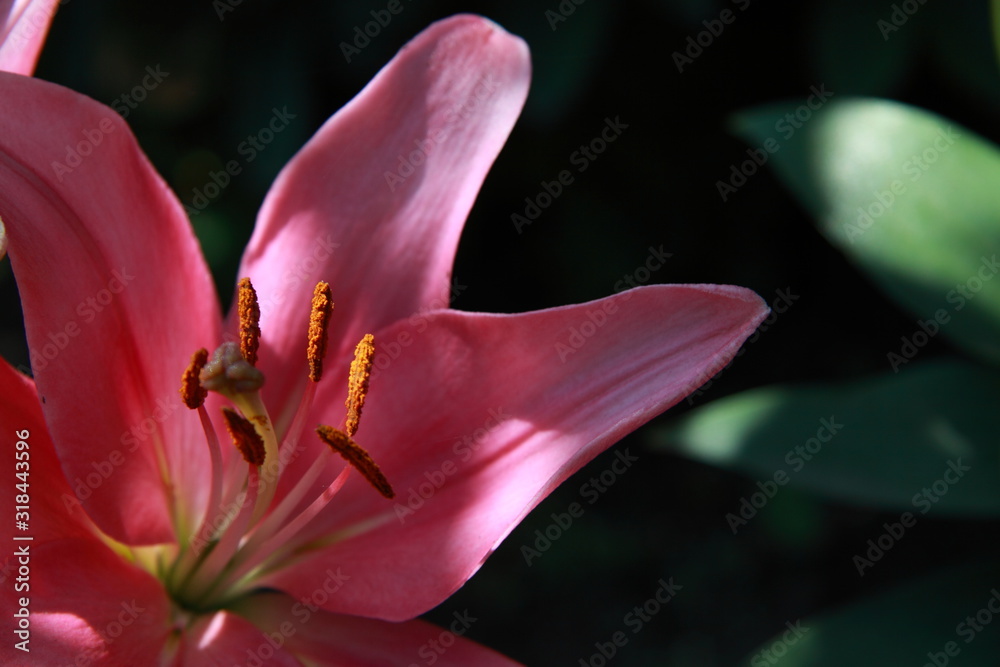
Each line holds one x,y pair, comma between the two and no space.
884,442
926,622
909,196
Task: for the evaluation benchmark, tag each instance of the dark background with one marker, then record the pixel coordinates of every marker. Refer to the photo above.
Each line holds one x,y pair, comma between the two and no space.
655,185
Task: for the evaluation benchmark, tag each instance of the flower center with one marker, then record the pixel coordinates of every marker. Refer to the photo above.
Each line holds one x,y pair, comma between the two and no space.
245,531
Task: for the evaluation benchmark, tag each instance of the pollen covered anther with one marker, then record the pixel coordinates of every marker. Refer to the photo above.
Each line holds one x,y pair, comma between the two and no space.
319,320
192,393
245,437
357,389
357,457
249,312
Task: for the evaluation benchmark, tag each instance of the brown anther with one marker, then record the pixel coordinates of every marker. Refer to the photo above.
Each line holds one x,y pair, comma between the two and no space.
245,437
319,319
249,312
357,457
357,383
192,393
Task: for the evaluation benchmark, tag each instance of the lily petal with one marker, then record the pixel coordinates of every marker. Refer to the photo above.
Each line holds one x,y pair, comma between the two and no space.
224,639
480,416
77,588
53,511
116,297
375,202
25,23
84,601
330,639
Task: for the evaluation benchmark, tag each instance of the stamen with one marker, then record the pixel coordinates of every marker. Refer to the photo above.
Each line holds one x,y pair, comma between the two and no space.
319,319
192,393
205,580
3,240
189,556
278,546
357,457
249,312
245,437
357,390
229,374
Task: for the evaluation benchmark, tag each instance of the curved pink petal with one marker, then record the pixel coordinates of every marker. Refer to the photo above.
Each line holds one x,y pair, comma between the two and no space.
52,510
224,639
474,418
332,640
22,33
85,602
438,114
116,298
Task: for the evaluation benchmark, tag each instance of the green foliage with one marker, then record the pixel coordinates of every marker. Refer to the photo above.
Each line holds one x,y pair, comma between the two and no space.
908,196
884,442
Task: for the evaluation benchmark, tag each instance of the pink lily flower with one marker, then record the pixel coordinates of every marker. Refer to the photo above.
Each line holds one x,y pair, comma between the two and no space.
23,26
155,542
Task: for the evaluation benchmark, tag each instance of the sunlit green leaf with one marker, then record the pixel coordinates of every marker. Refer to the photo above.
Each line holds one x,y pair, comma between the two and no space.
923,441
910,196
